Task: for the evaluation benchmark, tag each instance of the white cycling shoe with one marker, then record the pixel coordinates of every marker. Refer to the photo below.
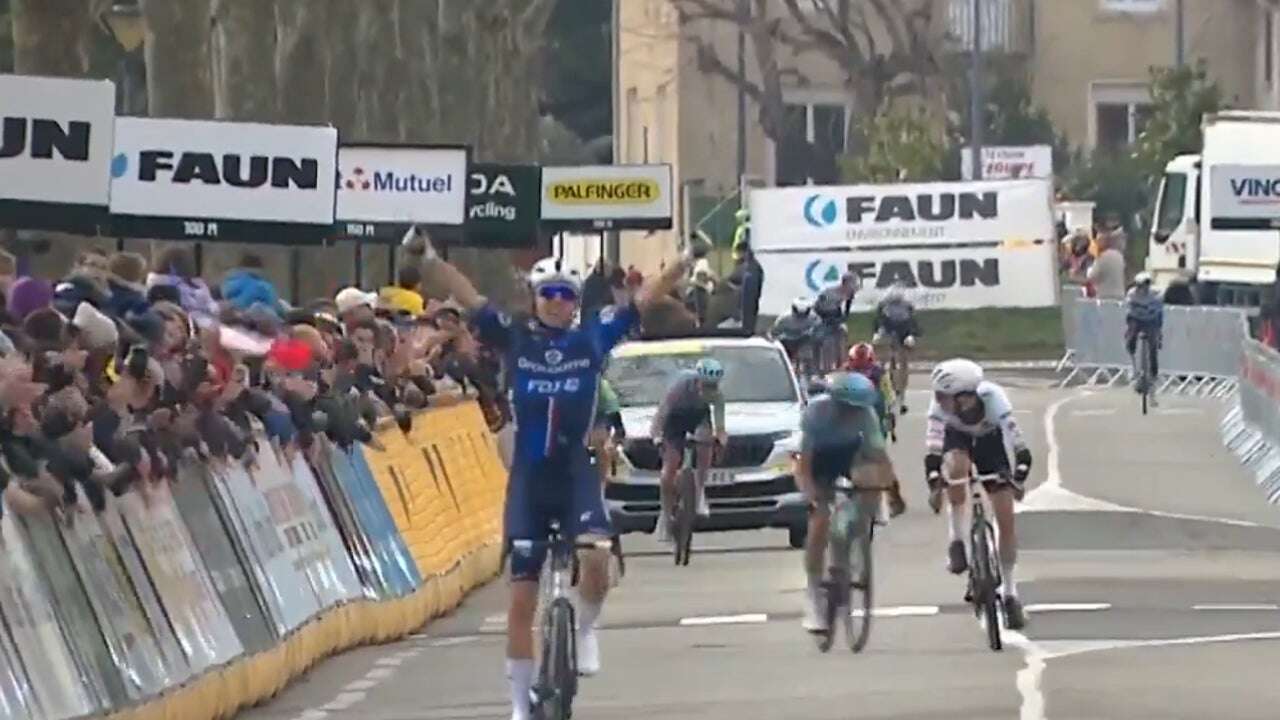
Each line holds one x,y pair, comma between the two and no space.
815,611
588,652
663,532
704,507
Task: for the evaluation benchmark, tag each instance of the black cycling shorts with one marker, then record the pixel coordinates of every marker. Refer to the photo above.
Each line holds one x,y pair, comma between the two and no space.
987,453
684,421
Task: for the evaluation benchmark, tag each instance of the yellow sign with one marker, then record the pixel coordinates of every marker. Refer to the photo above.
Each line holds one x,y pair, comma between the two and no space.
661,347
604,192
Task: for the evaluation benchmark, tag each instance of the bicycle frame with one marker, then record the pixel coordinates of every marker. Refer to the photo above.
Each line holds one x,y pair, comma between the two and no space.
983,518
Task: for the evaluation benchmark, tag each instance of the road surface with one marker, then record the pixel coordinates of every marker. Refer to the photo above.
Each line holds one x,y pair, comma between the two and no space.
1150,564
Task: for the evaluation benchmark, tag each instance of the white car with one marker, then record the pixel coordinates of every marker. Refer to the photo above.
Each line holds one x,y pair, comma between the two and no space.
752,485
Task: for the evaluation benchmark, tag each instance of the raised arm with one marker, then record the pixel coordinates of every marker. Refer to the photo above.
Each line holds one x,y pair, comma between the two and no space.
418,248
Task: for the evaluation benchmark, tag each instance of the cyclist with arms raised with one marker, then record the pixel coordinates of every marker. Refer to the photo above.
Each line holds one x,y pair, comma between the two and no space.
693,404
840,437
895,320
555,366
832,308
1144,312
969,429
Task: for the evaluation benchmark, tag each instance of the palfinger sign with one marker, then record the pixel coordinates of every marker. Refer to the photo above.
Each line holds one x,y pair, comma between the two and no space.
607,197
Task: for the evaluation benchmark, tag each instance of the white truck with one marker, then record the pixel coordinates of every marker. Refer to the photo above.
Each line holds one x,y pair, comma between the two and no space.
1217,215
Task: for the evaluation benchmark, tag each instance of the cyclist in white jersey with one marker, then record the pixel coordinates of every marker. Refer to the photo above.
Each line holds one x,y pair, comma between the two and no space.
971,425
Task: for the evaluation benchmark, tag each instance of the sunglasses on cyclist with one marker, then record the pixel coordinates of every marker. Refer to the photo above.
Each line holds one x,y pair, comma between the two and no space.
558,292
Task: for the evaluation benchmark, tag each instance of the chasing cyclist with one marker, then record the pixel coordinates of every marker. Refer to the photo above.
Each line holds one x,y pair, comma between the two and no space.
796,331
1144,312
840,437
895,320
555,366
693,404
832,308
970,429
862,360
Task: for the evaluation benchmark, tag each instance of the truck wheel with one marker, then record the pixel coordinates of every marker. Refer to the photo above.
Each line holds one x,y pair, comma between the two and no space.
796,535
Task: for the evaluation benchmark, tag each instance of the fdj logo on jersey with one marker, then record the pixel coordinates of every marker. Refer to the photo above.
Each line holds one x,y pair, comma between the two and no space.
542,386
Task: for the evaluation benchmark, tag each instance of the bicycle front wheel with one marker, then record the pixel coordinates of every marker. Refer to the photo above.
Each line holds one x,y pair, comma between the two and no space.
558,679
858,623
686,510
985,577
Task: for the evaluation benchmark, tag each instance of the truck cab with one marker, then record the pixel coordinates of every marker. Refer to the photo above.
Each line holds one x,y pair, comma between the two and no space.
1174,245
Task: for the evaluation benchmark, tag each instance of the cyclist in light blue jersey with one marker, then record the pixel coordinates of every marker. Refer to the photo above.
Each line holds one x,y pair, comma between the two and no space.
555,366
1144,311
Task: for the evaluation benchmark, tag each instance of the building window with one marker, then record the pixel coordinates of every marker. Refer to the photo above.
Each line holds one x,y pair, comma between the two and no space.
1120,124
629,152
813,140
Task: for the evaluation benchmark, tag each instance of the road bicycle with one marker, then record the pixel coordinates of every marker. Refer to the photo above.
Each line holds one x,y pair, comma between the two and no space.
1143,381
557,681
984,561
684,514
847,585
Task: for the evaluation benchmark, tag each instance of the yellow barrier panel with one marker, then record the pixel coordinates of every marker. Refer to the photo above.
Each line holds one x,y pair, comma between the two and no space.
444,486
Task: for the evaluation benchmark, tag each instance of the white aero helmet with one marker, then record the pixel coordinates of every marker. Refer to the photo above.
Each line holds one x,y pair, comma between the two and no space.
1142,278
956,376
801,305
553,271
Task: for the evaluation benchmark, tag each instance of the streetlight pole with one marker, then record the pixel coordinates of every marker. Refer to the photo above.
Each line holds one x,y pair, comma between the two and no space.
744,13
976,93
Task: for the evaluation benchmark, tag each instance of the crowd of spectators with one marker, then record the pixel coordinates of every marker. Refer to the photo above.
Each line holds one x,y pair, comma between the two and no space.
124,368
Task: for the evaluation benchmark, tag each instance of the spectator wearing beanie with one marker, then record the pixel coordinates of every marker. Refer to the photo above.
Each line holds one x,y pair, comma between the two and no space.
404,296
28,295
245,286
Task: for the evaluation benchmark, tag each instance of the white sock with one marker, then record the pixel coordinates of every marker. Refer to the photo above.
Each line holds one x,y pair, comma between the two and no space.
1010,587
955,521
520,677
588,613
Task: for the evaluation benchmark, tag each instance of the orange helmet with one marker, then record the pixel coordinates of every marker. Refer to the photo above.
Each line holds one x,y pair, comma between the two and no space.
862,357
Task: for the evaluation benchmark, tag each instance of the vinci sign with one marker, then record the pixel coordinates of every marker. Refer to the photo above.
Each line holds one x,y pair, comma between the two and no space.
1245,193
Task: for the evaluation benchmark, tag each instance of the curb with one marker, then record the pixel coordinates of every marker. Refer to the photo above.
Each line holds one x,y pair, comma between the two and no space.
922,367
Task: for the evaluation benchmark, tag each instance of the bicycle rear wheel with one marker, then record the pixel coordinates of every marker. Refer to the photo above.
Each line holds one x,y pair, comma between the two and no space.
1144,362
985,575
858,627
836,589
686,511
558,677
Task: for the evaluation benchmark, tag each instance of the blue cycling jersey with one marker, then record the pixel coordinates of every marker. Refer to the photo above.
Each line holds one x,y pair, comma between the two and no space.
554,375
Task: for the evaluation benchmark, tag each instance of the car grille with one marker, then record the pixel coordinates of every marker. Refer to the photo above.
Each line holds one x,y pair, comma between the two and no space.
622,492
743,451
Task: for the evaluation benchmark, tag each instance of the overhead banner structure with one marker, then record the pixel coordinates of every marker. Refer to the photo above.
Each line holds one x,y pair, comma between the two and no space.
205,180
952,245
607,197
503,207
55,152
382,190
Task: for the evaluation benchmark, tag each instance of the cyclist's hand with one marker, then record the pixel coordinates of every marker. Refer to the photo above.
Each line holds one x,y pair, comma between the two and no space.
909,341
934,479
722,438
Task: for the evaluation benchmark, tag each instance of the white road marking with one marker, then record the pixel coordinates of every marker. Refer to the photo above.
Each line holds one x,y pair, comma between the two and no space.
1238,606
1179,411
901,611
360,685
749,618
343,701
1052,496
380,673
1088,412
390,661
450,642
1066,607
312,714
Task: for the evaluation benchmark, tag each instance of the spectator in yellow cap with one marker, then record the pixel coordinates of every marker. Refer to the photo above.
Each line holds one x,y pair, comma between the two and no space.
404,295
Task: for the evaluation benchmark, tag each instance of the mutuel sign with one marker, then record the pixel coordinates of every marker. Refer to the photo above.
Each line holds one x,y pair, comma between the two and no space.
382,189
952,245
214,180
55,143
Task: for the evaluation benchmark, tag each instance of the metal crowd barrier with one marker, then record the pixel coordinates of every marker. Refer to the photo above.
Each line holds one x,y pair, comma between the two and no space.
198,597
1251,426
1199,354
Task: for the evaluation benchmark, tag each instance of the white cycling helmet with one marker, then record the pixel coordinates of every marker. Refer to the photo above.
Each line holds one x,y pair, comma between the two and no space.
801,305
553,271
895,292
956,376
1142,278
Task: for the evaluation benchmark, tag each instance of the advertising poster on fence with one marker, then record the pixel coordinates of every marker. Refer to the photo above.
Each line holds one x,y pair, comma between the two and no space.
17,699
277,571
395,568
952,245
346,584
206,180
28,611
382,190
198,618
56,136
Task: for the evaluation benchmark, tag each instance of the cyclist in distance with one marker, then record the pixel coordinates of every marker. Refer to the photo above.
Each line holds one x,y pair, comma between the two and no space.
555,365
693,404
796,329
840,437
969,429
862,360
832,308
1144,311
895,319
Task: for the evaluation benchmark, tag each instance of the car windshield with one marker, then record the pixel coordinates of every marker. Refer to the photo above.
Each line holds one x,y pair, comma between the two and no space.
751,374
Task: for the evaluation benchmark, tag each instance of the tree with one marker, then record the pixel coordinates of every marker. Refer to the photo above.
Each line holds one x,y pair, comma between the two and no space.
578,59
6,38
902,145
1011,117
1180,97
52,37
883,48
179,83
